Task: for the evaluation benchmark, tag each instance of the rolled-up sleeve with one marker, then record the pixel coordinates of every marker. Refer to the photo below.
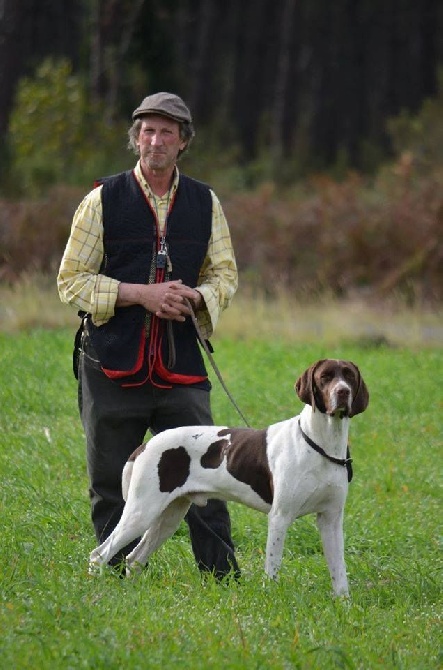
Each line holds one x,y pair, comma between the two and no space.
218,278
79,281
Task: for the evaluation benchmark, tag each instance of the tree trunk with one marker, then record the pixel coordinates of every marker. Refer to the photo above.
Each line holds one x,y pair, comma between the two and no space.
281,84
13,20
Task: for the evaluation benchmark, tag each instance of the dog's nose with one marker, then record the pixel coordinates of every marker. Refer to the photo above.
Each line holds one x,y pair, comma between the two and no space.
343,393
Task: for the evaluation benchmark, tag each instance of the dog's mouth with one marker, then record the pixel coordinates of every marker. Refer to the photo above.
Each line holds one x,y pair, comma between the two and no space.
340,403
340,410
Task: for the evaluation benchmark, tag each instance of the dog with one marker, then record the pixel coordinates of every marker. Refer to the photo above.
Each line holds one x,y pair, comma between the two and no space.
292,468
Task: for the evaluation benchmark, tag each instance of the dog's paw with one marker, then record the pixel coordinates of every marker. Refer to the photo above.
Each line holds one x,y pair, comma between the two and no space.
95,568
343,598
133,569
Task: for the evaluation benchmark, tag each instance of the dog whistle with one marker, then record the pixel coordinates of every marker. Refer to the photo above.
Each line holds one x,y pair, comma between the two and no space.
161,259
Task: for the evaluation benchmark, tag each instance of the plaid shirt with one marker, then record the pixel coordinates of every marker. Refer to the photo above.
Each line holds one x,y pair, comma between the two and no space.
79,280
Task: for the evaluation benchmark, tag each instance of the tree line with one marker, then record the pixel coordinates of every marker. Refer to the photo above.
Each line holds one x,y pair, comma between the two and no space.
310,83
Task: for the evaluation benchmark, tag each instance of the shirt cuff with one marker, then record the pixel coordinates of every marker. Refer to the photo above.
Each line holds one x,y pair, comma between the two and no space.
207,317
103,300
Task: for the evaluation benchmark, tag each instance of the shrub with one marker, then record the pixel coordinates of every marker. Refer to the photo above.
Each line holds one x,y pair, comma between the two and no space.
57,135
343,237
33,233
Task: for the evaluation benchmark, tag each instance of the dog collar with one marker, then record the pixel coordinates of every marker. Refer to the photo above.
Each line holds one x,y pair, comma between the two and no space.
346,462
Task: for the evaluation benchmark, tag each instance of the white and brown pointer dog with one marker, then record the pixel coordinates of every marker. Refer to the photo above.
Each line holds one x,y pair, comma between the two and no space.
287,470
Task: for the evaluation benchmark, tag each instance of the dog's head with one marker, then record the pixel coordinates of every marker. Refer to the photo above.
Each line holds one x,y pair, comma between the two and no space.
333,387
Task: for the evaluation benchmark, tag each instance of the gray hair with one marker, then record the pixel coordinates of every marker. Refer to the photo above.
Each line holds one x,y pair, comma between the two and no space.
186,135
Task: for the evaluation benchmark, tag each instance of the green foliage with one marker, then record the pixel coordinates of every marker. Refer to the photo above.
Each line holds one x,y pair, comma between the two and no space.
420,136
57,135
54,616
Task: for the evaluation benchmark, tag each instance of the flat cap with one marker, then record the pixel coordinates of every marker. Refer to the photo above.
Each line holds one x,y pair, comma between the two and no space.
165,104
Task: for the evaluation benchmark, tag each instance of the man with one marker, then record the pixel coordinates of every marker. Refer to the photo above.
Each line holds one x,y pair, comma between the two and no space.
143,243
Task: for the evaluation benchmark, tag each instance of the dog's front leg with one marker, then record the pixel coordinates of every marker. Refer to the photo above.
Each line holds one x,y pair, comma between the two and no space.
330,525
277,527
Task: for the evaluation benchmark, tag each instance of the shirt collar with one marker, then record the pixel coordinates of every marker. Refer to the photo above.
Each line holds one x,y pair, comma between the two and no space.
145,186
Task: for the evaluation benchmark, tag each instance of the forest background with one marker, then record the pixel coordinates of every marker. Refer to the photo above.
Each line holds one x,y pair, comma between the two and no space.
319,125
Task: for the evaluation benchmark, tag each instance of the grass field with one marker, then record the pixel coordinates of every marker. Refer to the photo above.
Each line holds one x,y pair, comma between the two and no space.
53,615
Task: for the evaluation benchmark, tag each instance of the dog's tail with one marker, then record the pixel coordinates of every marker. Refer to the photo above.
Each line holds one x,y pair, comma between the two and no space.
126,478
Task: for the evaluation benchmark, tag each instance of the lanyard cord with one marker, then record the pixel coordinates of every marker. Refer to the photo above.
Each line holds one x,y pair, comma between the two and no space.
160,270
161,233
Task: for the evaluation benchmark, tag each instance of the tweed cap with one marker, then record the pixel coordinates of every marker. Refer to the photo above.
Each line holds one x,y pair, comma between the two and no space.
165,104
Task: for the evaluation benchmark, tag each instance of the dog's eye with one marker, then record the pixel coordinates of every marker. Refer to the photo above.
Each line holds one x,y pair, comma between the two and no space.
326,376
348,374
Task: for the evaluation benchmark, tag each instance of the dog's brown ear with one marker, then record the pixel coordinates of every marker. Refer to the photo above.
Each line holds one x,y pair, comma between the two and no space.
361,399
304,386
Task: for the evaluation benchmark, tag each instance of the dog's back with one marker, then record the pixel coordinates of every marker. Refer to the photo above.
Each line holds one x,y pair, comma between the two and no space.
204,459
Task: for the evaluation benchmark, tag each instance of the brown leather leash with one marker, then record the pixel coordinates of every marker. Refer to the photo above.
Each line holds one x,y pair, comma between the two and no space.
212,361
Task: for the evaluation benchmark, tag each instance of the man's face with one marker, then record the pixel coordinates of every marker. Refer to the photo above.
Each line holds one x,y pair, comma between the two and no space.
159,142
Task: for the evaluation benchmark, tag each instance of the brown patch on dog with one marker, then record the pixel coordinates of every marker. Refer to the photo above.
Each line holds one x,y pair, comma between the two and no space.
213,457
247,460
173,469
137,452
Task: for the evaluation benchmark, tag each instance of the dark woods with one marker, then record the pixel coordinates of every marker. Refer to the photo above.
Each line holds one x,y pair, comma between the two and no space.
310,80
294,104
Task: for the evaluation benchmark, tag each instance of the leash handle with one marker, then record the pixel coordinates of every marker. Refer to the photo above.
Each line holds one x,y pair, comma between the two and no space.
213,363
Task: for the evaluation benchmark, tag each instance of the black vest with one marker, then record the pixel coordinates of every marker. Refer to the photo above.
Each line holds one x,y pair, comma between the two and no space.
129,351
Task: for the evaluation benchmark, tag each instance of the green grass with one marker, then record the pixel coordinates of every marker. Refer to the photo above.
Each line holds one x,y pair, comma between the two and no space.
53,615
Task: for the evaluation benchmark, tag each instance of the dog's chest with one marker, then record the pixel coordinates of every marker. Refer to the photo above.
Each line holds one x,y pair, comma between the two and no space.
304,481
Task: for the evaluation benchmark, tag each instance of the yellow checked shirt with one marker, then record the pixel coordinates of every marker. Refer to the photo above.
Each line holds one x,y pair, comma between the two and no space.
81,284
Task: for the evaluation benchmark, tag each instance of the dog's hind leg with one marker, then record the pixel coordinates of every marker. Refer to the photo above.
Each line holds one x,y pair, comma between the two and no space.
330,525
277,528
161,529
128,529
